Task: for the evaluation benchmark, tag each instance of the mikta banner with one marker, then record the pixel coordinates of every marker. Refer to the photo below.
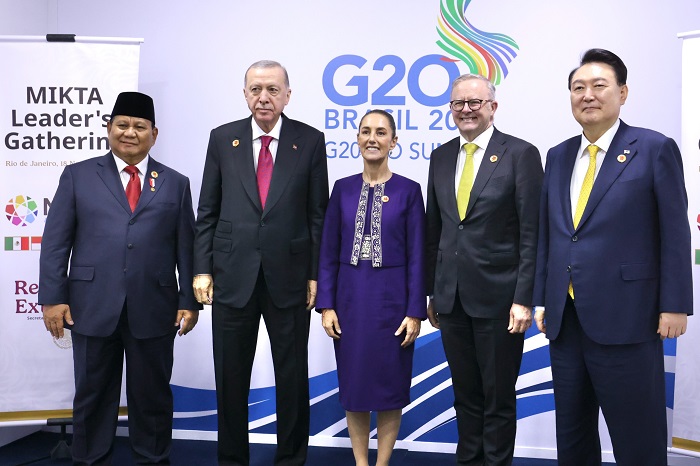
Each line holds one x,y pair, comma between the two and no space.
54,106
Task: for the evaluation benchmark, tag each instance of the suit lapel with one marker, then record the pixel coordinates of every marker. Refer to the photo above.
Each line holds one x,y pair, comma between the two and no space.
241,145
567,162
289,149
493,154
444,178
152,182
622,144
107,171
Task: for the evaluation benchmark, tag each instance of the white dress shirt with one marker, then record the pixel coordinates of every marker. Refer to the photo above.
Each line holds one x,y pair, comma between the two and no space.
257,143
142,166
581,164
482,141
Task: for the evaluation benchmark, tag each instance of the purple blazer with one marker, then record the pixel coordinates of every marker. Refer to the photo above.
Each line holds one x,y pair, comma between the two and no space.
402,237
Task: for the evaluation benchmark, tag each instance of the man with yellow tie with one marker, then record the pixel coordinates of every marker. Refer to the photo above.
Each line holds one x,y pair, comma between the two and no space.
613,272
482,219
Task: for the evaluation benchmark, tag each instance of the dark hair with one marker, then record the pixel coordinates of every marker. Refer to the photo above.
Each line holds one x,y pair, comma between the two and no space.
606,57
392,123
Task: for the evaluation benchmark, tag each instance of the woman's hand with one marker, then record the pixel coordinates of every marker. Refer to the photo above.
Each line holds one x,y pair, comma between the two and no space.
412,327
329,319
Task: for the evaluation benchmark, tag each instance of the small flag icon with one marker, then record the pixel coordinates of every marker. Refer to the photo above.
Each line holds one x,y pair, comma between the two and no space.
22,243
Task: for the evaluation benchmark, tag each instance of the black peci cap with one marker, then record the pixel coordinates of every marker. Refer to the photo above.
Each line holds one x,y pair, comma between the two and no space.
135,104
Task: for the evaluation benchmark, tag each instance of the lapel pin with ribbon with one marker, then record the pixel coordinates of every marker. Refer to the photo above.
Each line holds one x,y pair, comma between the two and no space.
152,181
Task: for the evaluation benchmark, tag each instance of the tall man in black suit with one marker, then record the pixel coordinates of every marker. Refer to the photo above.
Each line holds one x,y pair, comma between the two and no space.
261,209
482,210
119,227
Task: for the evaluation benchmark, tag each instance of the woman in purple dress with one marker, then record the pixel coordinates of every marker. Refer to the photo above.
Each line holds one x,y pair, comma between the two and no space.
370,285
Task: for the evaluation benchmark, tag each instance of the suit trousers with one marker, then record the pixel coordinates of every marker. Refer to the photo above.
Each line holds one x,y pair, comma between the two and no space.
235,333
98,363
484,360
626,382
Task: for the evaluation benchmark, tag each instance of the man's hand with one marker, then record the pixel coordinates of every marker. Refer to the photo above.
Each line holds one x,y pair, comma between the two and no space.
412,327
520,318
311,287
186,320
54,315
203,286
329,320
432,315
672,324
539,320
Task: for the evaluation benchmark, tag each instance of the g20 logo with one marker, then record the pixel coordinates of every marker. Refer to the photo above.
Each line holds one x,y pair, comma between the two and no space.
380,96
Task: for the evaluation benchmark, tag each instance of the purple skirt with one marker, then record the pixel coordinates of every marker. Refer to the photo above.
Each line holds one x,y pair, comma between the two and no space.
374,372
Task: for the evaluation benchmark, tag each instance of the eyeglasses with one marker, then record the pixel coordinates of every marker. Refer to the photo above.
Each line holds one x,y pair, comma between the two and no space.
474,104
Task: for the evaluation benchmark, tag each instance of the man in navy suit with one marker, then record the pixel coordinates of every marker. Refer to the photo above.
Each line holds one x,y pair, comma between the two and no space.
259,222
119,227
613,271
481,265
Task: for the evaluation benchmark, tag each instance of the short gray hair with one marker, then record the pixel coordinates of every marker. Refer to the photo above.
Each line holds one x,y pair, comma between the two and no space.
468,76
266,64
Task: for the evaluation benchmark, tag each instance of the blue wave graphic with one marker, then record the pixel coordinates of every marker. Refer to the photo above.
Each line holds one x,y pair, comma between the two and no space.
430,420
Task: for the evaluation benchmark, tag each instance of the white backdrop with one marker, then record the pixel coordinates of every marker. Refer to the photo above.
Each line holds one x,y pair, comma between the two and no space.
193,61
686,429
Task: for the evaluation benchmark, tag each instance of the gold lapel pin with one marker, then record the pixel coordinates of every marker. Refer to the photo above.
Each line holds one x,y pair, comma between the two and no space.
385,198
621,158
493,158
235,143
154,174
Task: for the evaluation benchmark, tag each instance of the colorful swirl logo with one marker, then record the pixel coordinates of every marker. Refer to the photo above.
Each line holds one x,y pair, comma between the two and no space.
485,53
21,210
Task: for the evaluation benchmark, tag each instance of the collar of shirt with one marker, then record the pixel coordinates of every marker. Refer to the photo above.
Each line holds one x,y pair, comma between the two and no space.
257,143
603,144
142,167
482,141
581,164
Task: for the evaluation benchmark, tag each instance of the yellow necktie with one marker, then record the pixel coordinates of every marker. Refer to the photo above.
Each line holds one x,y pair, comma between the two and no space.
585,194
466,181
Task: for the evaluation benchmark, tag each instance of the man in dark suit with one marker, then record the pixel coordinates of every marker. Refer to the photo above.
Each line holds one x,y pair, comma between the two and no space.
125,223
613,271
483,197
259,222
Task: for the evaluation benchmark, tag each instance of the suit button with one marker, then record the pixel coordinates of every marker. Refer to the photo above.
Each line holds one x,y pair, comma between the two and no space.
456,253
124,269
130,246
131,222
461,227
262,223
568,268
574,238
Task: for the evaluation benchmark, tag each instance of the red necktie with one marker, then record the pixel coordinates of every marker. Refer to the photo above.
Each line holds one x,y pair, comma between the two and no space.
133,188
264,168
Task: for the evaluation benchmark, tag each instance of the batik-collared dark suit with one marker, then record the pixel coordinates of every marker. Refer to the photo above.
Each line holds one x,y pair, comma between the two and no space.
122,281
260,261
481,266
628,260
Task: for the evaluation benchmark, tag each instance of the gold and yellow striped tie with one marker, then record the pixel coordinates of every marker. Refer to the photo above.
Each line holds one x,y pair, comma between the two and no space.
585,194
466,181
